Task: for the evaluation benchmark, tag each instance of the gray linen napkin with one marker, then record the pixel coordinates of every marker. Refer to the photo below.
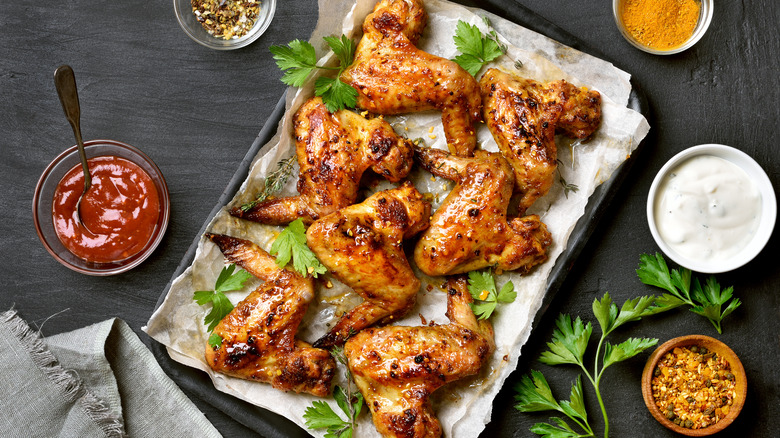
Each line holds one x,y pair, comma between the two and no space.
98,381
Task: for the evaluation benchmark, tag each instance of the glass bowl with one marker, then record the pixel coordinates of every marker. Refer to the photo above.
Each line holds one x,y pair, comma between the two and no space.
713,346
705,17
195,30
44,197
767,217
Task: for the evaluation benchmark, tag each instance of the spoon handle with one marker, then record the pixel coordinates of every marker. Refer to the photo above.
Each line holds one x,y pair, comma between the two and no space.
65,82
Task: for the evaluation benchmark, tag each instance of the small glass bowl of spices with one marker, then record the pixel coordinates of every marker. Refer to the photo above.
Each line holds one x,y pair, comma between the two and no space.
224,24
694,385
662,27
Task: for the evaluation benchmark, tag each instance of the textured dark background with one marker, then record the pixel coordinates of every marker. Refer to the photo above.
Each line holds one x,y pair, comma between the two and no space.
196,111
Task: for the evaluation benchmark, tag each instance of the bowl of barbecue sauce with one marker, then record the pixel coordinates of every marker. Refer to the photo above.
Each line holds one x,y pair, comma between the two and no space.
123,216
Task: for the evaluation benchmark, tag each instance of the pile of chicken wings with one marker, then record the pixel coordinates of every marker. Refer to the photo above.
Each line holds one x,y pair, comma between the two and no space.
363,244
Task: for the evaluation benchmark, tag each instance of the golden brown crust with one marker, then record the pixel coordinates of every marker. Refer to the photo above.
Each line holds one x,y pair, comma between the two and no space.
523,115
392,76
398,368
362,246
333,151
258,336
470,231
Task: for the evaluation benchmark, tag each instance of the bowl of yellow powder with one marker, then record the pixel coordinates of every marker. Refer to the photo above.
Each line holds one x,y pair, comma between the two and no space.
662,27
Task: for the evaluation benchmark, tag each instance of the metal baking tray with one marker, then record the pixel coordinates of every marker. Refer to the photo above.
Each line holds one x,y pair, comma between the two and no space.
271,425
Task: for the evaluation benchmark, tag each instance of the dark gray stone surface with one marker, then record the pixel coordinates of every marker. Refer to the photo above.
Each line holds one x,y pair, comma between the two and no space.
196,111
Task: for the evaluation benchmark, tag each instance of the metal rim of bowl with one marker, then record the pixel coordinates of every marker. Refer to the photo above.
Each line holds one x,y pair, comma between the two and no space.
768,207
106,269
187,22
711,344
705,18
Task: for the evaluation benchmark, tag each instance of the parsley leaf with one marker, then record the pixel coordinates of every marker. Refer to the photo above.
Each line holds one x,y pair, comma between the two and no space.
535,395
215,340
707,300
298,60
570,340
320,415
291,244
476,49
482,287
220,304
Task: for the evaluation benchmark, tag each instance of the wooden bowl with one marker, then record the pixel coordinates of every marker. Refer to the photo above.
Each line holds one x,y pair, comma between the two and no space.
711,344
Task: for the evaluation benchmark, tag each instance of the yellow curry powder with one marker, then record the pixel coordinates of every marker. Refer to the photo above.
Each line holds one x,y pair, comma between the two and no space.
661,24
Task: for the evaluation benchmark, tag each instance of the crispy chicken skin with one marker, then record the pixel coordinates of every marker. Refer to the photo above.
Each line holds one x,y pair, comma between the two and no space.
397,368
362,246
259,334
523,115
470,230
334,150
393,76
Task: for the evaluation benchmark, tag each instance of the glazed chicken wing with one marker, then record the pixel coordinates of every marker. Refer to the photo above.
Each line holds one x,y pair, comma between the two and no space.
397,368
523,115
333,152
362,246
470,230
392,76
258,336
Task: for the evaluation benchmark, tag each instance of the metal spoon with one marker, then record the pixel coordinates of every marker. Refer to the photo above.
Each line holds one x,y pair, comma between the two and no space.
65,82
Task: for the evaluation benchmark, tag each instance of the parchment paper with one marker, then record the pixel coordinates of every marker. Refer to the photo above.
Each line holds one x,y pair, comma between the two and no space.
463,407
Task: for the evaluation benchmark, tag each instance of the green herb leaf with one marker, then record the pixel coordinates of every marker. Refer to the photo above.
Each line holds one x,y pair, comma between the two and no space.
274,182
215,340
482,287
335,94
298,58
706,301
220,304
476,49
320,415
291,244
575,406
343,48
534,394
569,342
626,349
547,430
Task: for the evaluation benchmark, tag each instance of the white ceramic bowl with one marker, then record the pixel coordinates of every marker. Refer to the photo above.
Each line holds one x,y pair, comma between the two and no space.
766,221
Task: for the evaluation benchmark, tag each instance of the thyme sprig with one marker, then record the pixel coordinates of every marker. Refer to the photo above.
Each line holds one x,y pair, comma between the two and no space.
273,183
320,415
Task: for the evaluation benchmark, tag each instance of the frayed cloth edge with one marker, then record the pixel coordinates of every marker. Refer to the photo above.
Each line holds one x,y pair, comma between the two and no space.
67,381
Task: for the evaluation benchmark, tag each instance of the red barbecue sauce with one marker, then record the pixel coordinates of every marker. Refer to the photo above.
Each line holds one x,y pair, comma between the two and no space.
120,210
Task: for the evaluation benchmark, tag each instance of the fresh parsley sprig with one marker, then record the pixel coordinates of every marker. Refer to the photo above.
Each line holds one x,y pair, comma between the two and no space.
220,305
706,300
482,287
274,182
534,395
320,415
570,340
476,49
291,244
299,59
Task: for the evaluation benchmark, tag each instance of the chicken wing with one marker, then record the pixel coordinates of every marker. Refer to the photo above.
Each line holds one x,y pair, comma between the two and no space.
334,150
523,115
470,230
258,336
362,246
397,368
393,76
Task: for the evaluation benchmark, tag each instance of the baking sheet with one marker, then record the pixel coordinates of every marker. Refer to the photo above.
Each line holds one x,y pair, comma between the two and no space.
271,425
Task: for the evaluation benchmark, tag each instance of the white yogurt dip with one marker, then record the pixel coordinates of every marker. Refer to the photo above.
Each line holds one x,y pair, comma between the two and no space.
707,209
